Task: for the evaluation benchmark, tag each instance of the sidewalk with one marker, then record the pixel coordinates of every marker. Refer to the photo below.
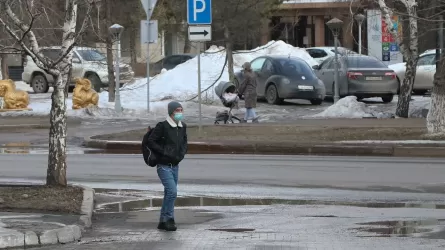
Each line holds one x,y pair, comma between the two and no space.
24,230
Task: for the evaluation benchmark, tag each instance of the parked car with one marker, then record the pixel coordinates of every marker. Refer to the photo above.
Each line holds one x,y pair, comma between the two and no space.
170,62
87,63
426,69
359,75
282,77
322,53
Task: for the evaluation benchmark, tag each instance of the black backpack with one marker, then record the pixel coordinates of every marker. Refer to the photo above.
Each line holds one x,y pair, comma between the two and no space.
147,153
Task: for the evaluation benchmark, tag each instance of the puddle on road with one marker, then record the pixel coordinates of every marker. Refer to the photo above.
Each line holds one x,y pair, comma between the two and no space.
398,228
190,201
233,230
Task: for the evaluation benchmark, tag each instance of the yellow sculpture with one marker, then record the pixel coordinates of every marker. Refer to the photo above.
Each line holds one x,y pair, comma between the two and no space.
84,95
13,99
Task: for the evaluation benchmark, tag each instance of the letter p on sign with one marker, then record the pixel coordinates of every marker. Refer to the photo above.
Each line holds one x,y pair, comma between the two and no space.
199,12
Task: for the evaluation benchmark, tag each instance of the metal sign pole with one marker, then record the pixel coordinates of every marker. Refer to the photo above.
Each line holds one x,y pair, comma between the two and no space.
199,89
148,58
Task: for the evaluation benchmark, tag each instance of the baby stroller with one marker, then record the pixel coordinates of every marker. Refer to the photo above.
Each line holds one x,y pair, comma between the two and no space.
226,91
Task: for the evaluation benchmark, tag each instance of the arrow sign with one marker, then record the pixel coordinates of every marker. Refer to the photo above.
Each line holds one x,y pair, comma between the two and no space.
200,33
204,33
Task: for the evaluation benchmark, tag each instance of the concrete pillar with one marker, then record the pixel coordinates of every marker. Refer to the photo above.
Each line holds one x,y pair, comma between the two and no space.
319,31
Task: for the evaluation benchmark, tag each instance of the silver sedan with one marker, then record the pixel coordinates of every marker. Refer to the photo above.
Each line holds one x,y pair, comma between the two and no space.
359,75
426,69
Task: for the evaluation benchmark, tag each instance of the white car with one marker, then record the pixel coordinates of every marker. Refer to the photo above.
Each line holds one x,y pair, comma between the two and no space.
426,68
322,53
87,63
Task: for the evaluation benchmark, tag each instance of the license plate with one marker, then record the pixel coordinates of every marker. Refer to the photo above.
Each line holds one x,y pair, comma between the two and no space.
304,87
373,78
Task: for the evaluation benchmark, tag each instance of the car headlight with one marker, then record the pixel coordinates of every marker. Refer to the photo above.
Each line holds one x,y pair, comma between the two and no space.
285,81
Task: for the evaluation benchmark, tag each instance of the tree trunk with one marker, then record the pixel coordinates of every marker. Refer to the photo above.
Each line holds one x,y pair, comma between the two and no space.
133,54
56,173
229,51
406,88
410,52
4,67
187,44
436,116
109,44
411,65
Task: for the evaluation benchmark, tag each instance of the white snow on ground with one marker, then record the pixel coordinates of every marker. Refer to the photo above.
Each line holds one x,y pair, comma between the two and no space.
23,86
349,107
181,83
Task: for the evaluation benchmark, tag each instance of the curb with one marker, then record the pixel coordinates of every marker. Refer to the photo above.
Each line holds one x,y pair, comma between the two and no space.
285,148
25,126
66,234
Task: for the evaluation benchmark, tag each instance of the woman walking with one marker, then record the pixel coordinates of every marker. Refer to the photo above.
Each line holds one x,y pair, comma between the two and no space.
248,89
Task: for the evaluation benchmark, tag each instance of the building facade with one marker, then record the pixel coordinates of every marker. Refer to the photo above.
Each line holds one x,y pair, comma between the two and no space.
302,23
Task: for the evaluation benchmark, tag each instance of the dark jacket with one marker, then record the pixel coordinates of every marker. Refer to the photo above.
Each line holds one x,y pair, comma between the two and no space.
248,89
169,142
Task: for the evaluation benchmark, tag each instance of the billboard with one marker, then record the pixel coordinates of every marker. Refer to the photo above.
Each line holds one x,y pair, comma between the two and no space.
382,44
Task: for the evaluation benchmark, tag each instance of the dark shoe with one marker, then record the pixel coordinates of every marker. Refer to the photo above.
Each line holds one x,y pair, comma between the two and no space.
243,121
162,226
255,120
170,225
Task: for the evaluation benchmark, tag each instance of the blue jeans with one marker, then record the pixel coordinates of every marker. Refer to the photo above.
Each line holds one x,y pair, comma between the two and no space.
250,113
169,178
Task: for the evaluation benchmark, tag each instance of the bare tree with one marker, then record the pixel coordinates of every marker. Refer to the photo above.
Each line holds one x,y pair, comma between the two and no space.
408,48
233,17
23,34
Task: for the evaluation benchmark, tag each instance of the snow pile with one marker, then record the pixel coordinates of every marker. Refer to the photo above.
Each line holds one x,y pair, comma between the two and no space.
418,105
349,107
181,83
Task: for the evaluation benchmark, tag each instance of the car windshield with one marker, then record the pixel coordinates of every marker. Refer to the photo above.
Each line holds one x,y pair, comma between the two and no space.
295,68
364,62
91,55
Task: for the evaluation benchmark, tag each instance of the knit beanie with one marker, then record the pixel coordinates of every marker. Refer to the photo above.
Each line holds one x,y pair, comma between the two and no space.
172,106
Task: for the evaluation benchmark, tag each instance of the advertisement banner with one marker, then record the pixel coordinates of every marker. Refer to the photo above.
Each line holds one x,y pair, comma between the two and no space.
381,43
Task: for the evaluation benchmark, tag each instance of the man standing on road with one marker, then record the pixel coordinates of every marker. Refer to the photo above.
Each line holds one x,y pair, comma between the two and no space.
248,89
169,143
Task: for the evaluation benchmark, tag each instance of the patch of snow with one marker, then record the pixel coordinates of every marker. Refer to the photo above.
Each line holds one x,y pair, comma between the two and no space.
349,107
181,83
21,85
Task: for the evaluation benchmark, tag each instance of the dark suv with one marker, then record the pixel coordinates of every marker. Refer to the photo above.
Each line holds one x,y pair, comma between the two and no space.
170,62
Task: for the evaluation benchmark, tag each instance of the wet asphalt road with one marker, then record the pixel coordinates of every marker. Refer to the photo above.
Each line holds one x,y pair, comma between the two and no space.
364,173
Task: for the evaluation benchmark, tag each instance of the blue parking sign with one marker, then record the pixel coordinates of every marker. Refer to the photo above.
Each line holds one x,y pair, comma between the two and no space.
199,12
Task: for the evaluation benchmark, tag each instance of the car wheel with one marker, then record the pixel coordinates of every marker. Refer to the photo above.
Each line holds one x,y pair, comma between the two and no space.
388,98
272,95
316,101
39,84
95,82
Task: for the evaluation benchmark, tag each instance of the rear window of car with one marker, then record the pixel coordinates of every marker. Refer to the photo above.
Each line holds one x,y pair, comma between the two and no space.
292,67
364,62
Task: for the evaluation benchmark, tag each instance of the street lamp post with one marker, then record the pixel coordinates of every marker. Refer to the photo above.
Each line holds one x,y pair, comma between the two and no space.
335,26
359,18
115,32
